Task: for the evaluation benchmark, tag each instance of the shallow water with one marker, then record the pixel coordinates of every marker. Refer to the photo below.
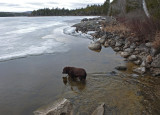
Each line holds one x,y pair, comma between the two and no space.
36,81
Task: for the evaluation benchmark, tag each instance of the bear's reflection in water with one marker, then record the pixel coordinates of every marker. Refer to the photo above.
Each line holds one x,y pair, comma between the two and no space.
80,85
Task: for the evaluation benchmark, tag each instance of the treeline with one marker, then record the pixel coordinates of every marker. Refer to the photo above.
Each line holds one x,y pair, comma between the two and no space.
12,14
89,10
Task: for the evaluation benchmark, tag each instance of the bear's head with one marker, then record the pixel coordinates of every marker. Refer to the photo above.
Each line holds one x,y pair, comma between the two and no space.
65,70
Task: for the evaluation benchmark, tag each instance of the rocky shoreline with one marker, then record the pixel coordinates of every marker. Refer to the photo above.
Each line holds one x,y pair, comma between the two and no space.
144,55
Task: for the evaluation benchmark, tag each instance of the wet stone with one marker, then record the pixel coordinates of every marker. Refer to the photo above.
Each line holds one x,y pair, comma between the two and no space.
121,68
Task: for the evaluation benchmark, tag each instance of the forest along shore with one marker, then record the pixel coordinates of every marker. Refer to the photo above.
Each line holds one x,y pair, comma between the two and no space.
110,33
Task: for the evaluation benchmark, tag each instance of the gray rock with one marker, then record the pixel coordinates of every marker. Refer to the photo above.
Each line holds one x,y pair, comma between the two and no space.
61,107
118,44
154,51
143,48
137,49
140,70
134,75
124,54
136,52
129,50
99,110
149,44
138,62
112,42
117,49
127,43
126,46
83,20
102,40
121,68
117,37
95,46
143,64
155,71
156,61
132,58
106,44
104,37
133,46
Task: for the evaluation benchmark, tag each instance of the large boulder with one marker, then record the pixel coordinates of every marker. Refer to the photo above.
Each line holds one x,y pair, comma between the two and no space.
95,46
123,68
60,107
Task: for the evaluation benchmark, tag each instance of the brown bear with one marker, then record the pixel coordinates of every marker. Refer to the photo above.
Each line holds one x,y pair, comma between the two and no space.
74,72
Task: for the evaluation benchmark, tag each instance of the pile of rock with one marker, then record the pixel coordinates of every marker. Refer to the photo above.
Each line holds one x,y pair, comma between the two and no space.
143,54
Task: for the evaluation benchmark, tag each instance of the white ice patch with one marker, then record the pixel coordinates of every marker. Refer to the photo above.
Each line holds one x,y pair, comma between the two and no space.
48,46
31,28
72,31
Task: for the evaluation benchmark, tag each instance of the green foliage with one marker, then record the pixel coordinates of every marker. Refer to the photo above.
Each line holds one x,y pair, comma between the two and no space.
9,14
154,8
131,5
89,10
113,12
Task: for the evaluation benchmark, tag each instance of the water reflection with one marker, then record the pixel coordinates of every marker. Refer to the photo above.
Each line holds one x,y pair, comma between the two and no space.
74,84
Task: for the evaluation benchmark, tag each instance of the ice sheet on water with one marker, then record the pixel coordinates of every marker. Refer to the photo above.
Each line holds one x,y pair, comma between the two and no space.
72,31
47,46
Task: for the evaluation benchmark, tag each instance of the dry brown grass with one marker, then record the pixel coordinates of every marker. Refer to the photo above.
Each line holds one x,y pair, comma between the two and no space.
156,42
119,28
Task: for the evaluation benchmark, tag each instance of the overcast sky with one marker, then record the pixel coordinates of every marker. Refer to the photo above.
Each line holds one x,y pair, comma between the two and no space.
30,5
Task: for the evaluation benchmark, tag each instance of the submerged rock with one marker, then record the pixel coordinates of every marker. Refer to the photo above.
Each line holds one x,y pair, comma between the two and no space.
99,110
95,46
121,68
61,107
